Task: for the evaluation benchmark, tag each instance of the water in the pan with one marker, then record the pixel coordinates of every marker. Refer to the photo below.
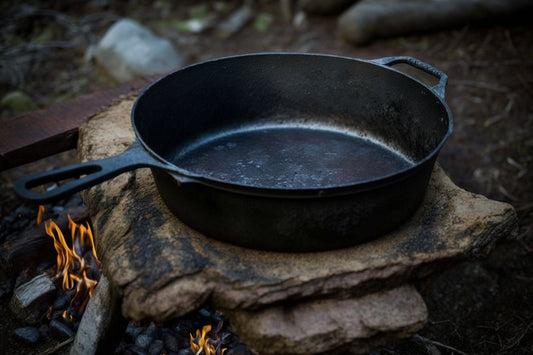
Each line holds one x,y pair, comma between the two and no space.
290,158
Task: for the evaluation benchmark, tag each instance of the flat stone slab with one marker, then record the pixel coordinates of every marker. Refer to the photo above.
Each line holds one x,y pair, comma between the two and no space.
163,269
347,326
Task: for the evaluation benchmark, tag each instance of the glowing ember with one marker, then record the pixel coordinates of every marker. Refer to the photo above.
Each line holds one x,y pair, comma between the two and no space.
76,263
208,342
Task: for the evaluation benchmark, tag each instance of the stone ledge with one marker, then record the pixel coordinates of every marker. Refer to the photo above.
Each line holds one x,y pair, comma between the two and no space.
350,326
165,269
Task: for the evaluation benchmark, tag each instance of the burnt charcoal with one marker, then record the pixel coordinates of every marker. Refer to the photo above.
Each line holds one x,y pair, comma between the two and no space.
135,350
8,286
156,347
29,250
217,319
46,266
132,331
240,349
143,341
20,219
71,323
30,301
93,271
174,336
60,330
186,327
171,342
71,315
17,221
57,210
44,330
204,313
62,301
235,341
22,278
57,314
69,293
151,330
26,212
120,349
29,335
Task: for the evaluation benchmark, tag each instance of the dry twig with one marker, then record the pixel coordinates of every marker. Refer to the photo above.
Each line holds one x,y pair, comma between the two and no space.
518,338
58,346
422,339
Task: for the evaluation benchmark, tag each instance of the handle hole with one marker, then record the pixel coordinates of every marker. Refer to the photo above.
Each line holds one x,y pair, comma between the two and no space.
422,76
49,182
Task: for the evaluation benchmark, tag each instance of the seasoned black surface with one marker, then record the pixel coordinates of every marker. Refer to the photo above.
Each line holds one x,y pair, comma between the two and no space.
291,157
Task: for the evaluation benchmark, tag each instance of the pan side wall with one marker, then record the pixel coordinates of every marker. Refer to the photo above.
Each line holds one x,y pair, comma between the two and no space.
294,224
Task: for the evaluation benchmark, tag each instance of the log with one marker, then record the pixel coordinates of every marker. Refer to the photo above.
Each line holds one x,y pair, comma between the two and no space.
371,19
30,300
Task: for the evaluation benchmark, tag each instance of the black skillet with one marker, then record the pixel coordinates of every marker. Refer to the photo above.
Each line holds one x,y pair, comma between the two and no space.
283,152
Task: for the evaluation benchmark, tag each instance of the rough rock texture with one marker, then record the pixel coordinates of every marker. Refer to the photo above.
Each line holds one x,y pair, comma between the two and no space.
163,269
343,326
98,322
370,19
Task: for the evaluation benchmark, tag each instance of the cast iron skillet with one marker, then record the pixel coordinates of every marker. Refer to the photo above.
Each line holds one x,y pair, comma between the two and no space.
282,152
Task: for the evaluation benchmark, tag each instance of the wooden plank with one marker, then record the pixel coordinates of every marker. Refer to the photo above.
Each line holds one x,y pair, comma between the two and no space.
53,130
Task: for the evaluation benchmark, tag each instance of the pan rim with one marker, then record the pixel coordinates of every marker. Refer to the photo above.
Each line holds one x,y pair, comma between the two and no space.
185,176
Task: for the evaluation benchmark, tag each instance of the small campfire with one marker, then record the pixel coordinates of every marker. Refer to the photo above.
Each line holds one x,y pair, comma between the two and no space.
57,270
78,267
52,269
202,332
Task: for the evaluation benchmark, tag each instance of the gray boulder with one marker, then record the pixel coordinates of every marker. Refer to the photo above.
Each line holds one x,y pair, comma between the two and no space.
129,50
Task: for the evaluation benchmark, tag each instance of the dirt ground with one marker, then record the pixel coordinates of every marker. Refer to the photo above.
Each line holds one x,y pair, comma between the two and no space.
475,306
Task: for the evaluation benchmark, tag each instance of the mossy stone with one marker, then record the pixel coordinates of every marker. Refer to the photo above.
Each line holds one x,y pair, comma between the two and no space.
17,102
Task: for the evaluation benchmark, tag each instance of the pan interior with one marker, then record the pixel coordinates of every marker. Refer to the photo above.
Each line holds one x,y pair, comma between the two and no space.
290,157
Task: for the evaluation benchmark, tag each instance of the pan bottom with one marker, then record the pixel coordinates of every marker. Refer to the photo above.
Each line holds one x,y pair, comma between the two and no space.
290,158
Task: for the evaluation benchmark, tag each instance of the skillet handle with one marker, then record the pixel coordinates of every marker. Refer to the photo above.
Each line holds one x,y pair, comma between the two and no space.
91,172
439,89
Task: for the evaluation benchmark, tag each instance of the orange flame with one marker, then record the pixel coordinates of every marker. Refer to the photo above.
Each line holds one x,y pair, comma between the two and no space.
40,214
71,265
201,344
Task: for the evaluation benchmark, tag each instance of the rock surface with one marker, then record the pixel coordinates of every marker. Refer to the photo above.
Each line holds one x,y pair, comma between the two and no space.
164,269
97,320
129,50
346,326
370,19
